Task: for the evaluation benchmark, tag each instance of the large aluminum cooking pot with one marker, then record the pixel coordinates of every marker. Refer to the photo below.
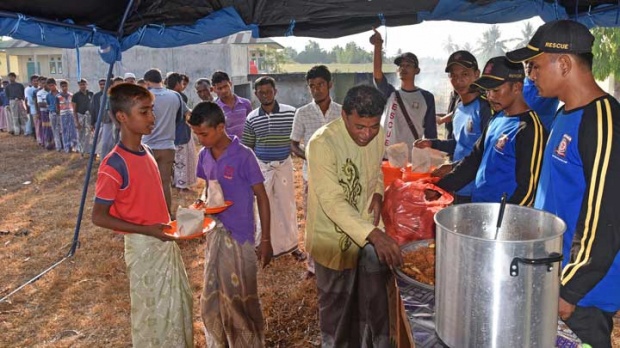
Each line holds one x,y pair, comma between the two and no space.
497,293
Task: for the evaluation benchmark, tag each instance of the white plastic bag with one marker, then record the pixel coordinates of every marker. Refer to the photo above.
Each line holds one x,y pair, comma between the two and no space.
397,155
189,221
423,159
215,196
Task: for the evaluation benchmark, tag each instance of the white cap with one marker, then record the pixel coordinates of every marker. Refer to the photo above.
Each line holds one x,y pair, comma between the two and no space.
129,76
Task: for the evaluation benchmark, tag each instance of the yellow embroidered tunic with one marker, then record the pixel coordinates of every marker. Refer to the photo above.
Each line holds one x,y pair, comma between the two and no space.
342,178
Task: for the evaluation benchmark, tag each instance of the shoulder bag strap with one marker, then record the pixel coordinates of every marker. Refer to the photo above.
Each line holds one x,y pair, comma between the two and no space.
406,114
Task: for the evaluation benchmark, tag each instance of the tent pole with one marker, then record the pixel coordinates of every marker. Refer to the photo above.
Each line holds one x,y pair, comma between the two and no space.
104,98
75,243
76,235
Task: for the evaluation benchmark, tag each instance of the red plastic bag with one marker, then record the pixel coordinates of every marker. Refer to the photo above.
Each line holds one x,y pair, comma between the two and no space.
407,215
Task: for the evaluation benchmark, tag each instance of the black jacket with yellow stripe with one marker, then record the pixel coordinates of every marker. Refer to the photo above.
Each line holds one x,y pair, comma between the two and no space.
580,183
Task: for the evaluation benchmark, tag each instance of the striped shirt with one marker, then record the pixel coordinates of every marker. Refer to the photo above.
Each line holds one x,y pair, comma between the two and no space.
269,134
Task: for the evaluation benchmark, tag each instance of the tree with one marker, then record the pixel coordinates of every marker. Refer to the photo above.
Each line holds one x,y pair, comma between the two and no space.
351,54
273,59
490,45
450,46
606,50
526,34
313,53
290,53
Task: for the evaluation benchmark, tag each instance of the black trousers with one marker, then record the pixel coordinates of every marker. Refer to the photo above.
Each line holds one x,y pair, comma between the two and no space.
592,325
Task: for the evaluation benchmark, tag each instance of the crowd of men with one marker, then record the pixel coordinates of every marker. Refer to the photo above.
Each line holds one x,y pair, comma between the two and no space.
507,137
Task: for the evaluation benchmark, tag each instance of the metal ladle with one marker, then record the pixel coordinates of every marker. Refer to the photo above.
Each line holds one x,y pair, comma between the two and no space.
502,208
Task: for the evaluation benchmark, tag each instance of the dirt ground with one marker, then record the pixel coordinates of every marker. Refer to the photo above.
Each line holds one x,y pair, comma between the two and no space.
84,302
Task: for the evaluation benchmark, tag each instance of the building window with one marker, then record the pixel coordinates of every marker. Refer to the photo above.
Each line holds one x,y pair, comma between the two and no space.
56,65
52,66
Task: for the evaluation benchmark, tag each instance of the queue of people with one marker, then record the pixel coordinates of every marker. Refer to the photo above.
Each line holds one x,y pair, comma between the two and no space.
500,142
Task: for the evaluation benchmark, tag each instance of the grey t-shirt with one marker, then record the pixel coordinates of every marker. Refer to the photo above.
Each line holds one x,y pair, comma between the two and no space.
166,107
420,106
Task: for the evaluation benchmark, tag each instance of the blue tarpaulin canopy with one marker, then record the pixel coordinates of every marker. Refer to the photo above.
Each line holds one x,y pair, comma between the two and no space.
170,23
117,25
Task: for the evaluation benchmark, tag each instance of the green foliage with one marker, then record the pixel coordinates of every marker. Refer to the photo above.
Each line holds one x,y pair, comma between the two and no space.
274,59
490,45
351,53
313,53
450,46
605,50
290,53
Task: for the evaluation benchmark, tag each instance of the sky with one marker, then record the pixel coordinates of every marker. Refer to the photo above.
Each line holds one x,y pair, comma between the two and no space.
426,39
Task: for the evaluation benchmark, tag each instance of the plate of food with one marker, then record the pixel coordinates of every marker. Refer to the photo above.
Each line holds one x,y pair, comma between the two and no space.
418,264
201,205
215,210
207,226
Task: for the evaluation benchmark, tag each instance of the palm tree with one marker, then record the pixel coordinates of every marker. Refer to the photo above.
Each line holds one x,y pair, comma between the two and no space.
526,34
490,45
450,46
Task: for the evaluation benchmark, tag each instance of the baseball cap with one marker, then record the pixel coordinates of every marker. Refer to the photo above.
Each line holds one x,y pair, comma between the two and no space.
562,36
406,56
462,58
499,70
129,76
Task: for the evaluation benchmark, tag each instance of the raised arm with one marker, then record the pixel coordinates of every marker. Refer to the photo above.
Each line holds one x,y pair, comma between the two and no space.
377,62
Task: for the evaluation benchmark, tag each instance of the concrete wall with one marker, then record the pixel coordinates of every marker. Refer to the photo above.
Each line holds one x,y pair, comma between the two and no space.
293,90
194,60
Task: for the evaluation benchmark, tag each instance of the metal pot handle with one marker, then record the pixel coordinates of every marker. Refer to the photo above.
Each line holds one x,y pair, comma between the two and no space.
553,257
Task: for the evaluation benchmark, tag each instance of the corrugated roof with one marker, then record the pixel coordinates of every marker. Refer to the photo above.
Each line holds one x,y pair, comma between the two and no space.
4,44
242,38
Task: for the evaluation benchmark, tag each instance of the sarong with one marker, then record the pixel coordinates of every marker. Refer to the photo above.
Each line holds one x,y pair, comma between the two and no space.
185,163
161,298
85,133
69,132
106,139
281,192
353,303
4,125
9,118
229,305
46,129
56,127
18,116
38,128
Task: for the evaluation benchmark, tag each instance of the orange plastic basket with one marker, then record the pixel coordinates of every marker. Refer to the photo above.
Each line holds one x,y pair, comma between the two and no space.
390,173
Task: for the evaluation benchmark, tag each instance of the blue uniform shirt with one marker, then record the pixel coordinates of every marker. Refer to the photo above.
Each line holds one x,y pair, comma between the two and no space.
579,184
506,159
469,122
499,166
544,107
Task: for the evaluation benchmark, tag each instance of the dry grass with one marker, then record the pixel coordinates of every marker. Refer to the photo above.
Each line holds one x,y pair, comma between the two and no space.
84,302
